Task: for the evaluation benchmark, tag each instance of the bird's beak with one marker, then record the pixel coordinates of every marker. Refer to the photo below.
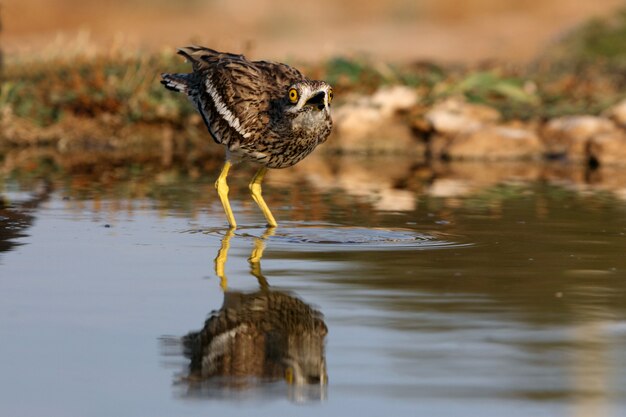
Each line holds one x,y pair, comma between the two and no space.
317,100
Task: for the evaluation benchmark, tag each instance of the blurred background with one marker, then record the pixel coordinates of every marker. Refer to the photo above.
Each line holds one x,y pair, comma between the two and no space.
398,30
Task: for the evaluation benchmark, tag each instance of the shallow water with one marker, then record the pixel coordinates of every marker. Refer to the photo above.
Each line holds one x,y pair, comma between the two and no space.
505,299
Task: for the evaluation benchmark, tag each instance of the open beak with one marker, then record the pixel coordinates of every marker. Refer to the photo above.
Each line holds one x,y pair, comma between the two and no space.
317,100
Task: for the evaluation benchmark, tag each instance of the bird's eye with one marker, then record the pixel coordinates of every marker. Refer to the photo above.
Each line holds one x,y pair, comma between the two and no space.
330,95
293,95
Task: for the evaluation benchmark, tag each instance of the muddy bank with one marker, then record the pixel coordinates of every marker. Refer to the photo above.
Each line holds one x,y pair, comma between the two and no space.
389,121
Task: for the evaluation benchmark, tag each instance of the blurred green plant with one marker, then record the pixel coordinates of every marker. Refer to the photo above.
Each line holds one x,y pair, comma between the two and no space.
487,86
599,38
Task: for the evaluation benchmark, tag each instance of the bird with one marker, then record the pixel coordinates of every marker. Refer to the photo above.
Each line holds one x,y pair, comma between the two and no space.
266,334
261,111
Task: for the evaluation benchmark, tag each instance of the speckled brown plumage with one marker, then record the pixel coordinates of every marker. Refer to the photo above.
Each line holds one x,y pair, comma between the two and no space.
246,107
262,335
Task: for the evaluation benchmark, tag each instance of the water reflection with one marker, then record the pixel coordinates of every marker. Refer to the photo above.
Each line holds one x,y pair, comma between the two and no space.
16,216
503,295
257,338
339,189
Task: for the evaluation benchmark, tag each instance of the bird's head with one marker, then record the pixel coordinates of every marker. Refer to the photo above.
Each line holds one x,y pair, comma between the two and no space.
309,371
309,100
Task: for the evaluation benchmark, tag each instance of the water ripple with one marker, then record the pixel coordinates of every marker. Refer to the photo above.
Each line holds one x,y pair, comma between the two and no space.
329,236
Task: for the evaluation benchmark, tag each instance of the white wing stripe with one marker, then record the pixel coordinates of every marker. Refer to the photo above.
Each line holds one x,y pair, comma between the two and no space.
224,111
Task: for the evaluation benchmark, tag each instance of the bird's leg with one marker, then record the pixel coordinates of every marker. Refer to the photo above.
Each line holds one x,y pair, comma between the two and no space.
255,189
222,256
257,254
222,191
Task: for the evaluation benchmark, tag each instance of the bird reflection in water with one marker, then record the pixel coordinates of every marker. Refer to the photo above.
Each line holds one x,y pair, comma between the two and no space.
17,216
259,337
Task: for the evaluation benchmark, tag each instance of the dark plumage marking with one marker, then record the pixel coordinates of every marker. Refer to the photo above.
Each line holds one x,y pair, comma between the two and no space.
176,82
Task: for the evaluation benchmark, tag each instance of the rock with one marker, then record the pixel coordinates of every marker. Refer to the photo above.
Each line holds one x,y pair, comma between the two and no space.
495,143
607,148
569,135
370,124
395,99
356,120
455,116
449,187
617,113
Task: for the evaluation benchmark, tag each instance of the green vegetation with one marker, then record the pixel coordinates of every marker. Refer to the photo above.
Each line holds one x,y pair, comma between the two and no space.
127,87
598,39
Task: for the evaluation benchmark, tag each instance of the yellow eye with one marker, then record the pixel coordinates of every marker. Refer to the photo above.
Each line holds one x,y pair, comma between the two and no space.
293,95
330,95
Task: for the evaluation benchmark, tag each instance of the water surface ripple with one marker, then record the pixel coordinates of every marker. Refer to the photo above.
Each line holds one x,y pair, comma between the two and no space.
341,237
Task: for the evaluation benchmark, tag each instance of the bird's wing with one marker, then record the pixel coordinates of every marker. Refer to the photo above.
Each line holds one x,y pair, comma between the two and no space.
241,90
281,75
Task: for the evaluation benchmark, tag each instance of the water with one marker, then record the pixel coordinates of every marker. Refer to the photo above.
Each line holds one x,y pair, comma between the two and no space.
490,299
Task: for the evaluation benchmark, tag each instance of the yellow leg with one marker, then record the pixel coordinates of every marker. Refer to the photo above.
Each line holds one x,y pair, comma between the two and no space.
257,254
222,191
255,189
222,256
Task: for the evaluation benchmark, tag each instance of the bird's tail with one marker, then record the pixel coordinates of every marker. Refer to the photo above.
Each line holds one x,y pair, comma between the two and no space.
177,82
